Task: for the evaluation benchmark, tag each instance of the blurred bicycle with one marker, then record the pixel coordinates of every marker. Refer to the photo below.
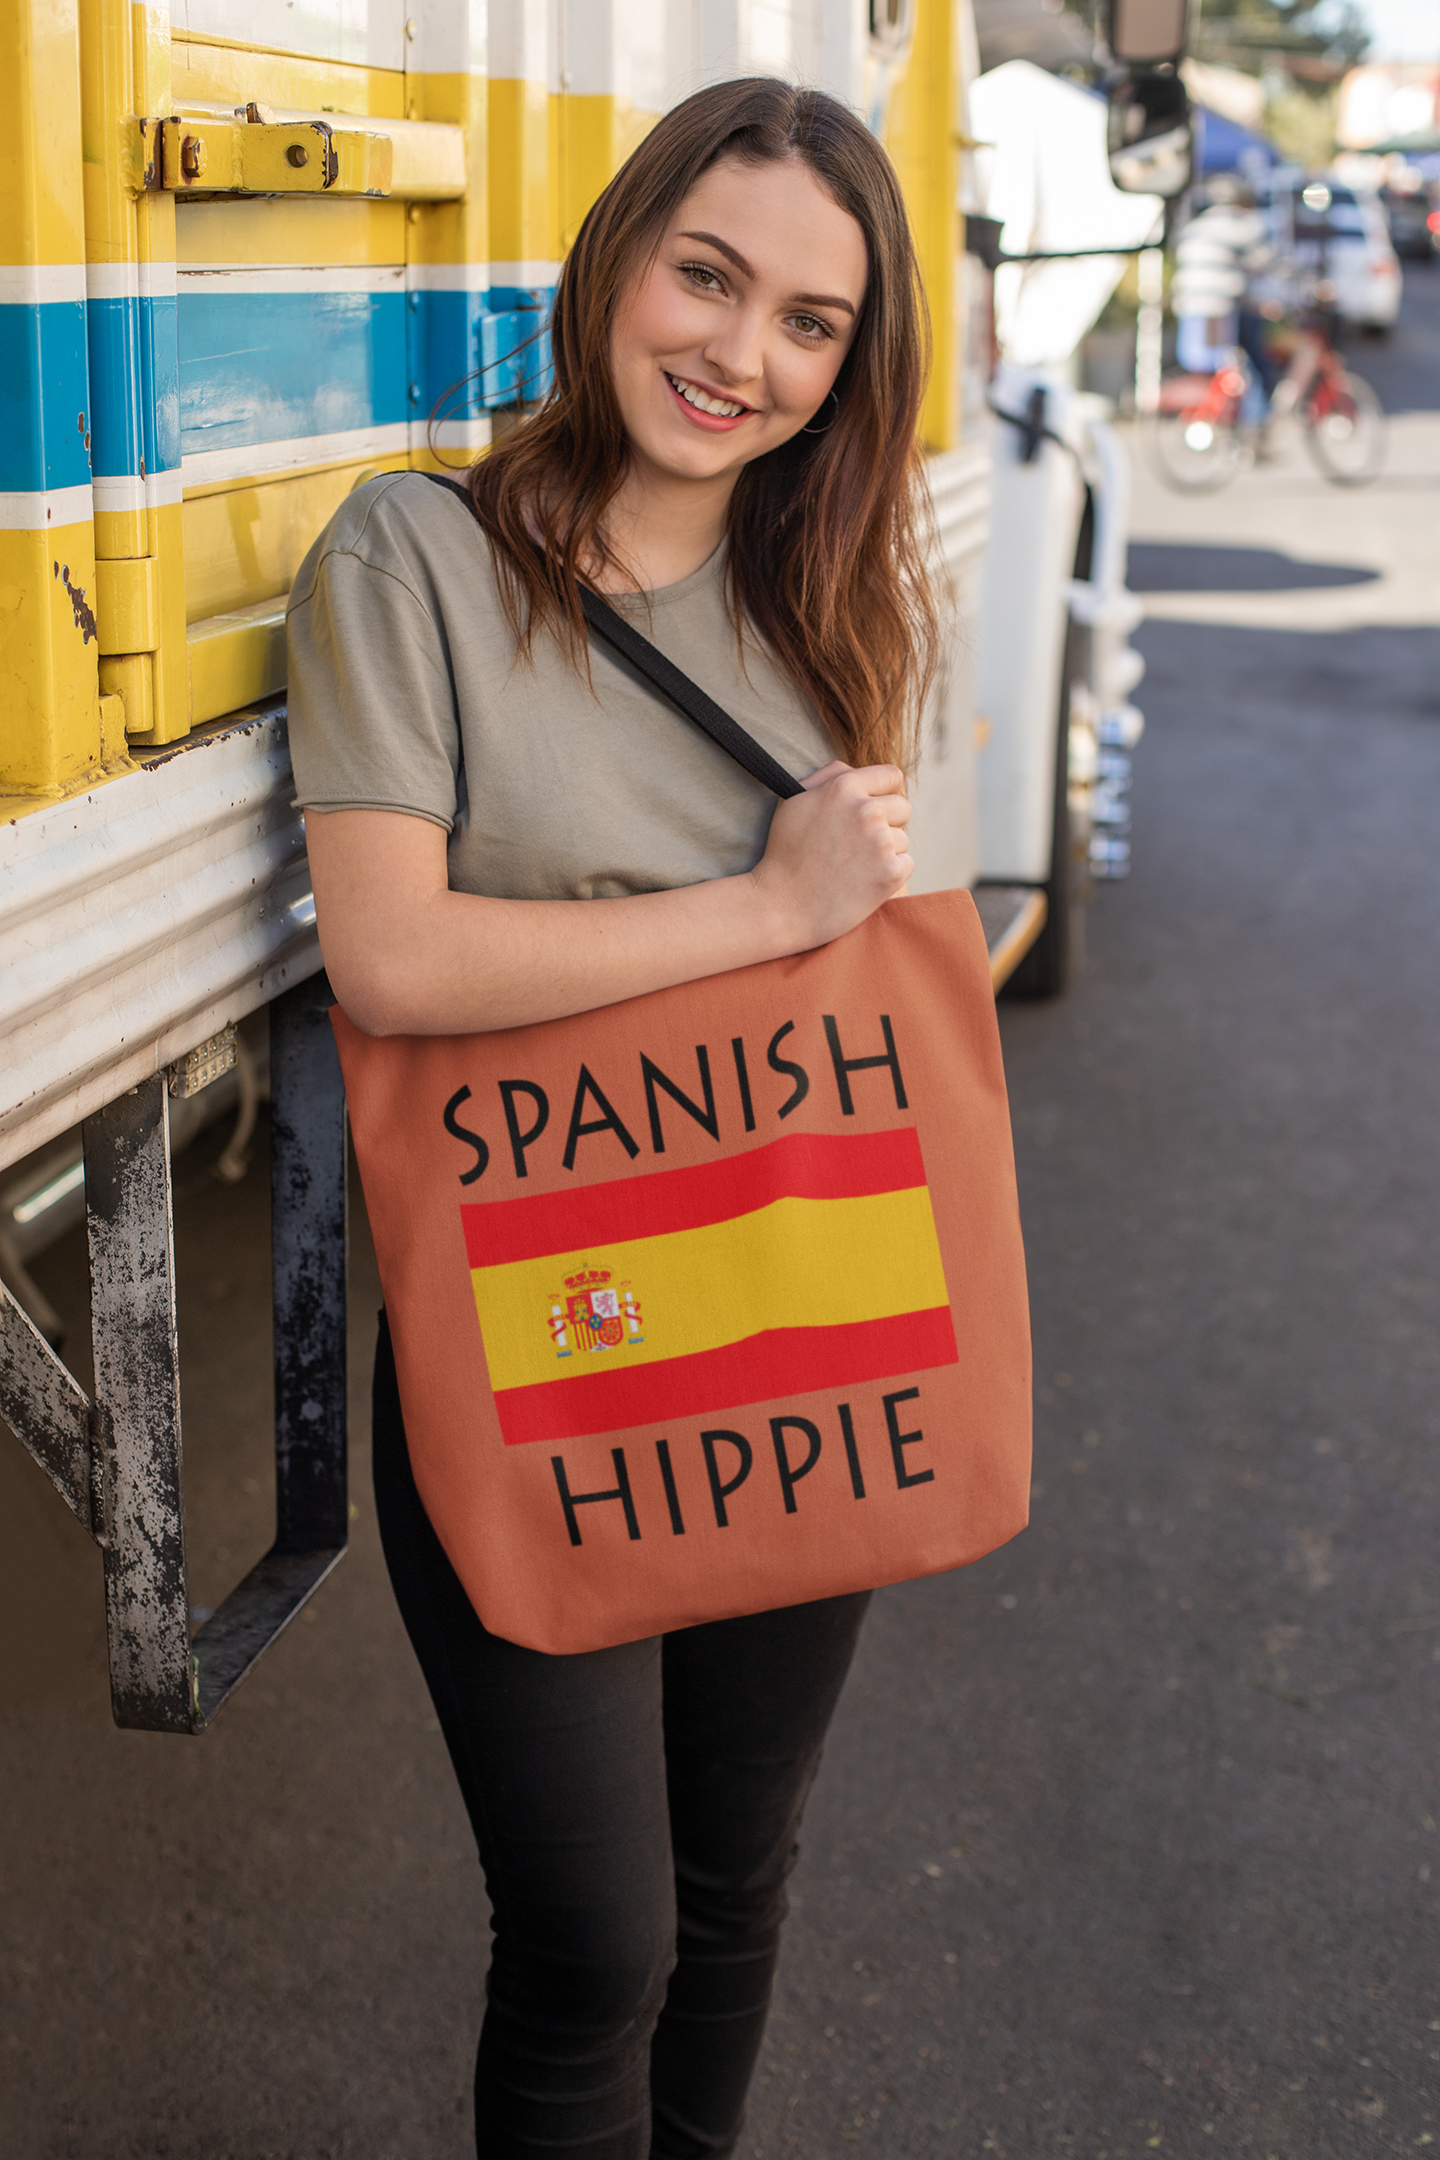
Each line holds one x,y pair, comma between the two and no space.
1200,438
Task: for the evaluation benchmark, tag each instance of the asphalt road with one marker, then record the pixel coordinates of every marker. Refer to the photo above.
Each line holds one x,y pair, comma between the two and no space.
1126,1838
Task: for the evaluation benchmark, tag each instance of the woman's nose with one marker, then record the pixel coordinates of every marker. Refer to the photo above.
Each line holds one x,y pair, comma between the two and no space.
736,350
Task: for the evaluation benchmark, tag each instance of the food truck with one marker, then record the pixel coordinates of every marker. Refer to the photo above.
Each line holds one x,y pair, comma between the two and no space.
256,256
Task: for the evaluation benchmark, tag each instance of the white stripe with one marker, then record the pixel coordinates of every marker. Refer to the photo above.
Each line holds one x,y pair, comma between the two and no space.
524,273
520,42
479,277
40,284
285,278
342,30
130,281
119,492
207,465
451,434
42,512
450,37
448,277
127,491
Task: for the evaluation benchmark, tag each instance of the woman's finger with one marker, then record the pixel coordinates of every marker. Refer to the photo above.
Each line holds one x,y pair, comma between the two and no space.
832,771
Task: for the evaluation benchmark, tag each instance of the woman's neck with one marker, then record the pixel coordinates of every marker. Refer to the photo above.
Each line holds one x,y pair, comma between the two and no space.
661,528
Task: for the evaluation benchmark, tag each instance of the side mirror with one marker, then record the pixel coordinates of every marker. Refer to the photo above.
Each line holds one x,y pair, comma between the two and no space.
1145,33
1150,138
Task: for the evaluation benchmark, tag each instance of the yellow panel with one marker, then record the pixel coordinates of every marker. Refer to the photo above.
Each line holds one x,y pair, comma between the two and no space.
236,659
129,679
430,160
923,140
119,532
304,232
39,102
594,136
522,228
234,74
458,231
48,655
107,100
127,605
150,48
244,542
112,730
156,227
165,541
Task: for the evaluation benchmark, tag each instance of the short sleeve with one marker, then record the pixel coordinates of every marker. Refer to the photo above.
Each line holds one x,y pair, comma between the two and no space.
373,721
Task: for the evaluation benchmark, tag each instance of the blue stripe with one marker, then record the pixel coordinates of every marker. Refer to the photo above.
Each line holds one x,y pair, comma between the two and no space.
515,357
44,397
135,386
268,367
476,356
515,347
160,383
119,441
444,339
504,299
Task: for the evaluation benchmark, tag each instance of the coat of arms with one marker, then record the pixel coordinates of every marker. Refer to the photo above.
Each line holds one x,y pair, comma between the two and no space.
594,1313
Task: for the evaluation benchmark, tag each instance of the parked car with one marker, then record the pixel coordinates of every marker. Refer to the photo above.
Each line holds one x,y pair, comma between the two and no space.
1340,234
1409,206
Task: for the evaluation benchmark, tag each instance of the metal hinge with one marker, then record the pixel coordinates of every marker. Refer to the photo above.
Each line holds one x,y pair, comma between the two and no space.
252,154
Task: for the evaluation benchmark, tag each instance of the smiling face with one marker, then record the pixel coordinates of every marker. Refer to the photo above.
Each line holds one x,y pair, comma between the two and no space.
728,343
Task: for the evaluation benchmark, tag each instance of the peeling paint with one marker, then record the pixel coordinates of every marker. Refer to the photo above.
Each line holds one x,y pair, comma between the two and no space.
84,614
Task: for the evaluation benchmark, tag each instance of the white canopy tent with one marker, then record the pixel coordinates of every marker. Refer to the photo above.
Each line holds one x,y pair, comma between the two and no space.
1045,175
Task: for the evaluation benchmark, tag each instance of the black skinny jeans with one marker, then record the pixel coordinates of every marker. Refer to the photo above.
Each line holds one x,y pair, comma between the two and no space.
636,1811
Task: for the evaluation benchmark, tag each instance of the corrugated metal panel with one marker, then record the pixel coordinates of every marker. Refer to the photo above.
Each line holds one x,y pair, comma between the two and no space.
137,920
960,492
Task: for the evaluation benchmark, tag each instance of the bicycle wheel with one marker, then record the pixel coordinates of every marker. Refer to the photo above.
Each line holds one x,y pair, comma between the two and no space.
1345,431
1196,453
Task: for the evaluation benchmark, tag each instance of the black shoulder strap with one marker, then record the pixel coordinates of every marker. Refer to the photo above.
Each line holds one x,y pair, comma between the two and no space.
671,682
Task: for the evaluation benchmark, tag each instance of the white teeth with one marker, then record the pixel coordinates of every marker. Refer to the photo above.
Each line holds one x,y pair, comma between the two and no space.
702,403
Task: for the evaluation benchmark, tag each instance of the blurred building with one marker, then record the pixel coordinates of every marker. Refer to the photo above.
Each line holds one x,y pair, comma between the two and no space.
1390,104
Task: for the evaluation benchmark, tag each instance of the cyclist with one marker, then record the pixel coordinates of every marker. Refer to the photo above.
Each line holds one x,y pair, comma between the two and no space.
1222,252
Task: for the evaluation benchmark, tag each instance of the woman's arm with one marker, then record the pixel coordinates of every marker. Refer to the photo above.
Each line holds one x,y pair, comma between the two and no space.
406,956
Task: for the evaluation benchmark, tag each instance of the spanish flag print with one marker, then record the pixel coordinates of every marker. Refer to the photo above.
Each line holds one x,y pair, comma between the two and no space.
808,1263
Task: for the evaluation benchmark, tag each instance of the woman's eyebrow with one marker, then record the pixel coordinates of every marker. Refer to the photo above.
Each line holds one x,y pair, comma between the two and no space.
801,299
820,299
731,254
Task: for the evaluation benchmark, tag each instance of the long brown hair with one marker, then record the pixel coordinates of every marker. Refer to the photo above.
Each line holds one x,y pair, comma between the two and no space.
828,533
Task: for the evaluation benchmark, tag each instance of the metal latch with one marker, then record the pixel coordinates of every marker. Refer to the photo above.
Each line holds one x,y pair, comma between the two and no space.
253,154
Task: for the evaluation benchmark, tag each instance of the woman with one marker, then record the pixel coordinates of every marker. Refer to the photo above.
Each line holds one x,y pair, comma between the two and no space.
506,826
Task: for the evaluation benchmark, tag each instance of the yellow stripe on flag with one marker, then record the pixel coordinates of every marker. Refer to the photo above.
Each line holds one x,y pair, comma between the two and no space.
796,1263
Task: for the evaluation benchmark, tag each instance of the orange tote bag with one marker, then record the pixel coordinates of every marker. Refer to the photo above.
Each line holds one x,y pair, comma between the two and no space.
714,1300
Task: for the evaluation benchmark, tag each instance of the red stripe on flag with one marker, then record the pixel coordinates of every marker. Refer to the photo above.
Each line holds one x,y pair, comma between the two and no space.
801,1166
763,1368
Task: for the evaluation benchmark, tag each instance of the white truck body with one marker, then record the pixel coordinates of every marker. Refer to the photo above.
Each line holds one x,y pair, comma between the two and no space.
1043,174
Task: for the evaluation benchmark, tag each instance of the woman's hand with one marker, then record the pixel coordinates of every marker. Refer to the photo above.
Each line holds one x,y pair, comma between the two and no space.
836,853
407,956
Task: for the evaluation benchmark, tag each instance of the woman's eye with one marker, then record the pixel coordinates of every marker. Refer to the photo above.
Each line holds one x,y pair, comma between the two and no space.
810,326
702,275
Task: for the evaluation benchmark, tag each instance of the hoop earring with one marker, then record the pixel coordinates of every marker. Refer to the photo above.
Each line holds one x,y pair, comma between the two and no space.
829,423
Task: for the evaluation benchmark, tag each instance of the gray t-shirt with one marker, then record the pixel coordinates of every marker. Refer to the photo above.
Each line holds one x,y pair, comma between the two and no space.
406,694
